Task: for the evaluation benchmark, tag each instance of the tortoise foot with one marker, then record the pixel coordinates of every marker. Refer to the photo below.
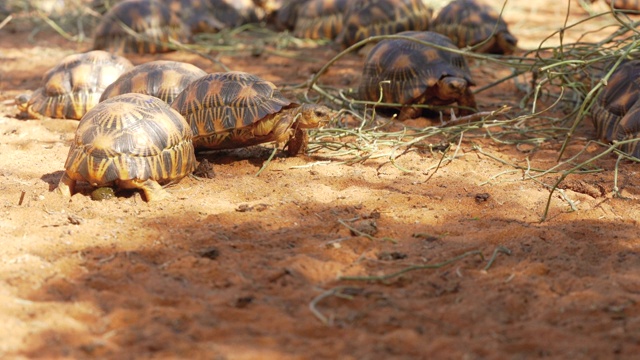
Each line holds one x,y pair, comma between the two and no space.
66,186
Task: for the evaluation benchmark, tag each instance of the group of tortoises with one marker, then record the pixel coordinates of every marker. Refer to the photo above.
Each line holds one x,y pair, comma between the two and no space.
139,125
143,130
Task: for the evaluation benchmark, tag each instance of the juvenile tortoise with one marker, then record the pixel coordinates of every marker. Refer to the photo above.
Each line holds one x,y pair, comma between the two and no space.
366,18
163,79
74,86
418,74
140,26
320,19
475,24
616,111
132,141
236,109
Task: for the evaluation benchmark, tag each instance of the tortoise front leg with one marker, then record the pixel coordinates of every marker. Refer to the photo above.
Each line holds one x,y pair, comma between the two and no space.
409,112
151,189
66,185
297,142
467,103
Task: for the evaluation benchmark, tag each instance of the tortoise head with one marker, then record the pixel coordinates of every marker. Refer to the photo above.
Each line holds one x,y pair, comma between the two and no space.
313,115
25,107
452,88
506,43
22,102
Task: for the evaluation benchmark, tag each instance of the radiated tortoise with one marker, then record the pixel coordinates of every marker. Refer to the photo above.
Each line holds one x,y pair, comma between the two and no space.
140,26
366,18
409,73
475,24
132,141
163,79
236,109
320,19
74,86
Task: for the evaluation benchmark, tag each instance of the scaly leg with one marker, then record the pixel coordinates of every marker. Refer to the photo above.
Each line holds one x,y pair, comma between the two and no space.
152,190
297,142
66,185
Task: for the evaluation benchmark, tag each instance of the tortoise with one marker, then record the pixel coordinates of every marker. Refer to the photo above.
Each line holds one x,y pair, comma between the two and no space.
235,109
475,24
320,19
418,74
140,26
74,86
163,79
132,141
616,110
285,17
365,18
624,4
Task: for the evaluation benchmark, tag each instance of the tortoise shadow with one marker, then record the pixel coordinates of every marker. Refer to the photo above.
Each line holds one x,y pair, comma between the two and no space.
254,155
52,179
84,188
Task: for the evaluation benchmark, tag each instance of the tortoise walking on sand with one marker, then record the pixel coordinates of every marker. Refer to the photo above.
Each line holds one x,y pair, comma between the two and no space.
132,141
409,73
74,86
236,109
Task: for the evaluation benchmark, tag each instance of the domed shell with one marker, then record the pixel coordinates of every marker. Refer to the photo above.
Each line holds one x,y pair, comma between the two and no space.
414,71
285,17
625,4
228,100
320,19
74,86
210,16
152,22
473,23
132,141
365,18
162,78
616,110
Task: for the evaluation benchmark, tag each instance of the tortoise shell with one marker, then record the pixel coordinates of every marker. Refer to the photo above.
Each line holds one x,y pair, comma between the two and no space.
140,26
74,86
210,16
285,17
625,4
475,24
320,19
365,18
418,74
162,78
237,109
131,141
616,110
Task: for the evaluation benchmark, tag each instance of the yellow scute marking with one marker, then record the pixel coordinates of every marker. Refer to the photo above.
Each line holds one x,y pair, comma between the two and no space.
58,84
247,93
121,109
102,141
402,61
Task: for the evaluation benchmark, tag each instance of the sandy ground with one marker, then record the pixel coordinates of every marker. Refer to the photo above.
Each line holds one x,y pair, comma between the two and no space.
252,267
